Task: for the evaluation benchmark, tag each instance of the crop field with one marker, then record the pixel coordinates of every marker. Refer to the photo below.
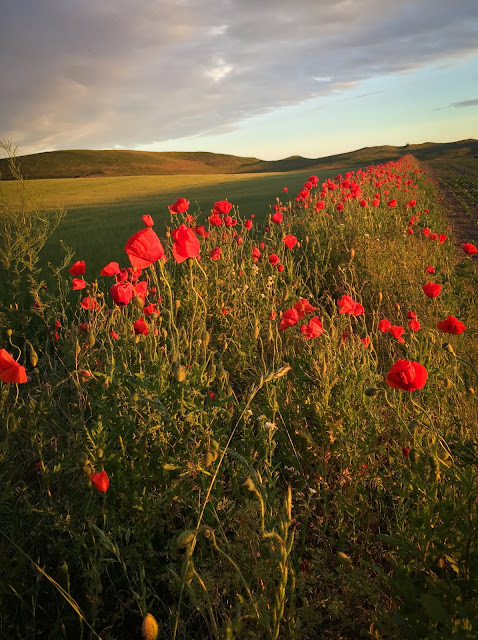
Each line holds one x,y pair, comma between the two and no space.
238,411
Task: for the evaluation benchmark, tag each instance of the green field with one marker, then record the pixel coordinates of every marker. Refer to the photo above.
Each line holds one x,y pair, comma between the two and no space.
103,212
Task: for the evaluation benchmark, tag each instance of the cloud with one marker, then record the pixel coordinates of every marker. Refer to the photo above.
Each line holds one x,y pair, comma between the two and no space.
128,73
466,103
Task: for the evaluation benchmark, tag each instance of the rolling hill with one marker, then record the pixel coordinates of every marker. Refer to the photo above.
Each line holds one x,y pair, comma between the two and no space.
91,163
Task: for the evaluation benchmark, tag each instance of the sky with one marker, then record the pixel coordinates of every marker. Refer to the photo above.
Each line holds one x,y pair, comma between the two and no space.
256,78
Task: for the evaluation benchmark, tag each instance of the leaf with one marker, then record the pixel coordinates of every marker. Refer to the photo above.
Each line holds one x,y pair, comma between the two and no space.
434,608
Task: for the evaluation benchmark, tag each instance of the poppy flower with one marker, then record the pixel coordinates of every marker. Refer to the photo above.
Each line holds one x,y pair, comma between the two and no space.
347,305
78,283
411,315
141,289
392,203
122,293
10,370
100,480
273,315
248,224
451,325
414,325
340,206
289,319
140,327
431,290
144,248
149,309
406,452
277,217
113,334
186,245
111,269
148,221
285,189
303,308
216,254
320,205
222,207
469,248
77,268
89,303
280,268
433,236
274,259
366,341
256,254
396,331
290,241
229,221
407,376
180,206
384,325
239,240
313,329
215,220
441,238
430,269
376,202
426,231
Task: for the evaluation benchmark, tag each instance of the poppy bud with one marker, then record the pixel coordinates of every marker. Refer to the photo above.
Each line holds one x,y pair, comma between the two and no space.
179,372
190,261
471,391
248,484
256,331
307,239
324,369
371,392
352,254
185,539
99,452
138,303
91,339
77,349
33,358
178,304
211,370
9,333
380,296
149,628
447,346
206,338
397,306
344,559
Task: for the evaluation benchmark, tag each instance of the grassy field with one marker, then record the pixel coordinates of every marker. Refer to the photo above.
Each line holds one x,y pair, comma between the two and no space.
102,212
276,441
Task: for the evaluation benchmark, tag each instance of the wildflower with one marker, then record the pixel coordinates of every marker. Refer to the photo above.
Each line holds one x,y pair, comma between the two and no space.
180,206
430,269
100,480
290,241
469,248
392,203
89,303
216,254
277,217
186,245
289,319
406,452
303,308
78,283
148,221
140,327
149,628
320,205
215,220
256,254
451,325
313,329
222,207
347,305
77,268
248,224
426,232
111,269
366,341
384,325
113,334
280,268
285,189
431,290
407,376
397,332
149,309
10,370
414,325
441,238
274,259
144,248
122,293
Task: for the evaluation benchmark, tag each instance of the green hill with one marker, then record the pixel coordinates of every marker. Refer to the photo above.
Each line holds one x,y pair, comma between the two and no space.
90,163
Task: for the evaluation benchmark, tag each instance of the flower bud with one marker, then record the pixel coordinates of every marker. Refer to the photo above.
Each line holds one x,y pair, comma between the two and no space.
138,303
352,254
91,339
149,628
185,539
344,559
371,392
178,304
179,372
447,346
9,333
33,358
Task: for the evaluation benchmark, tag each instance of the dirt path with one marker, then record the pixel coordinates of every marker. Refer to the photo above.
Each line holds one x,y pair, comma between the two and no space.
463,223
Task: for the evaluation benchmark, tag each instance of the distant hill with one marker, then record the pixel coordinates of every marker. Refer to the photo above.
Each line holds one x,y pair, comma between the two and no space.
89,163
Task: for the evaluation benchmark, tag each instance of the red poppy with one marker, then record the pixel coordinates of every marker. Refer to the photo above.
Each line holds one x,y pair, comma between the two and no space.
144,248
148,221
426,231
392,203
376,202
280,268
289,319
77,268
414,325
122,293
78,283
397,332
433,236
141,289
239,240
248,224
180,206
406,452
216,253
366,341
430,269
290,241
273,315
222,207
229,221
256,254
451,325
347,305
277,217
469,248
149,309
89,303
340,206
431,290
113,334
10,370
100,480
111,269
140,327
303,308
407,376
186,245
274,259
363,202
320,205
411,315
285,189
215,220
441,238
384,325
313,329
201,231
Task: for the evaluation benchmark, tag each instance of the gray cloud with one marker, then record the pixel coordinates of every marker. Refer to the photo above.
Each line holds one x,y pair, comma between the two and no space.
466,103
82,74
